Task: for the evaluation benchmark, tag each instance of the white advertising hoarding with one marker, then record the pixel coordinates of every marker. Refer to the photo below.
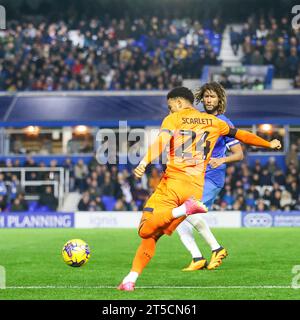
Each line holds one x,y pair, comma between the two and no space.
223,219
128,219
107,219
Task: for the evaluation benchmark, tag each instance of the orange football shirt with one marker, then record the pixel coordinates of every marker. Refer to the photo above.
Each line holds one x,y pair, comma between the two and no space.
194,135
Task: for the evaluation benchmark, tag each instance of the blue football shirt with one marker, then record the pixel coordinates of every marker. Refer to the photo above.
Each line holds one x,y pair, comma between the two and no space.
217,175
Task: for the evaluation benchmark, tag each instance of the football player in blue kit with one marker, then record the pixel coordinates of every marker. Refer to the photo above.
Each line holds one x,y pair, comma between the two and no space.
213,97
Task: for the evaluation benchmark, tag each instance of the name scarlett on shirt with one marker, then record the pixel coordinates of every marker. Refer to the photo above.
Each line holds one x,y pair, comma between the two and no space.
196,121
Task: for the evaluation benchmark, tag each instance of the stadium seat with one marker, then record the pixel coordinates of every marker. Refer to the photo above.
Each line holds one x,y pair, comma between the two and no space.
32,206
44,208
109,202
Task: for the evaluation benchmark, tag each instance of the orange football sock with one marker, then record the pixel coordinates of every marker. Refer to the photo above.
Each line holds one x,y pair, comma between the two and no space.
143,254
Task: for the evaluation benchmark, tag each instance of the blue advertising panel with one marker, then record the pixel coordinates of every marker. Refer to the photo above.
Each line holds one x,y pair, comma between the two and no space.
271,219
37,220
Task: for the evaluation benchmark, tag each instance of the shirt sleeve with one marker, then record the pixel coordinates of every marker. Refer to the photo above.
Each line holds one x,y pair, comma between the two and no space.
168,125
223,127
231,142
165,135
228,140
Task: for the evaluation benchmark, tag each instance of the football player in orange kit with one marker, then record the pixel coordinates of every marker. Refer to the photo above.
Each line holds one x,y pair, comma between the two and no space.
191,136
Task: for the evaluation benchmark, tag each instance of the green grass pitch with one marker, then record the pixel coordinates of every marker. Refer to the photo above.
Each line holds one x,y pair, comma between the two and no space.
259,266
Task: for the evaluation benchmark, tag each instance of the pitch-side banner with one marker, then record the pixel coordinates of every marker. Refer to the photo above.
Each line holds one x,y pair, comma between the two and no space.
125,219
271,219
37,220
107,219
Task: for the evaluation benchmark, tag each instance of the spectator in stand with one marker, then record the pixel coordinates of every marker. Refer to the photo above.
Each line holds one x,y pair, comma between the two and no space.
23,202
100,170
271,165
29,163
294,189
239,204
279,177
92,206
48,199
32,176
286,201
228,198
3,203
83,204
256,179
100,206
276,197
250,202
93,163
265,178
281,65
73,146
125,189
292,156
293,62
94,190
80,173
68,165
297,81
17,206
262,32
257,168
3,189
234,40
108,188
267,196
225,82
256,58
120,205
140,195
261,205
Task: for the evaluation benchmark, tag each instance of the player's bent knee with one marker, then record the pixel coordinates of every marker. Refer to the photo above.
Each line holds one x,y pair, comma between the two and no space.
144,234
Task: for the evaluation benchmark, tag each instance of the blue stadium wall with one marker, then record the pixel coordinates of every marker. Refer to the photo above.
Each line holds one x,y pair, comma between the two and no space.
138,108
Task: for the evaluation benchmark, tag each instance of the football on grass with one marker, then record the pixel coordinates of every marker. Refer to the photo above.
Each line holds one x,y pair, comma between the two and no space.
76,253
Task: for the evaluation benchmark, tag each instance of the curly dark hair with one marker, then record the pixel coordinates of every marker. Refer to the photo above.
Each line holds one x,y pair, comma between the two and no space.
218,89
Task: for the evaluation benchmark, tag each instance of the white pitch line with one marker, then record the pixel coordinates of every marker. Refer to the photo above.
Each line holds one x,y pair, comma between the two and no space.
148,287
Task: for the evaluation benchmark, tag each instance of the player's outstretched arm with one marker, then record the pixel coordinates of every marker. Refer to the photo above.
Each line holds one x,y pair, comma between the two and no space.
252,139
236,155
153,152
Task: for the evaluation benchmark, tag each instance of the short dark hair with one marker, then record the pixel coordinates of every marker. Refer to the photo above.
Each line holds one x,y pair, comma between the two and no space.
181,92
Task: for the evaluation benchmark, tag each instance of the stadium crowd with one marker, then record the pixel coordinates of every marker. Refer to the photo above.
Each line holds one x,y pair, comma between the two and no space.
259,188
106,187
270,41
137,54
111,54
12,193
